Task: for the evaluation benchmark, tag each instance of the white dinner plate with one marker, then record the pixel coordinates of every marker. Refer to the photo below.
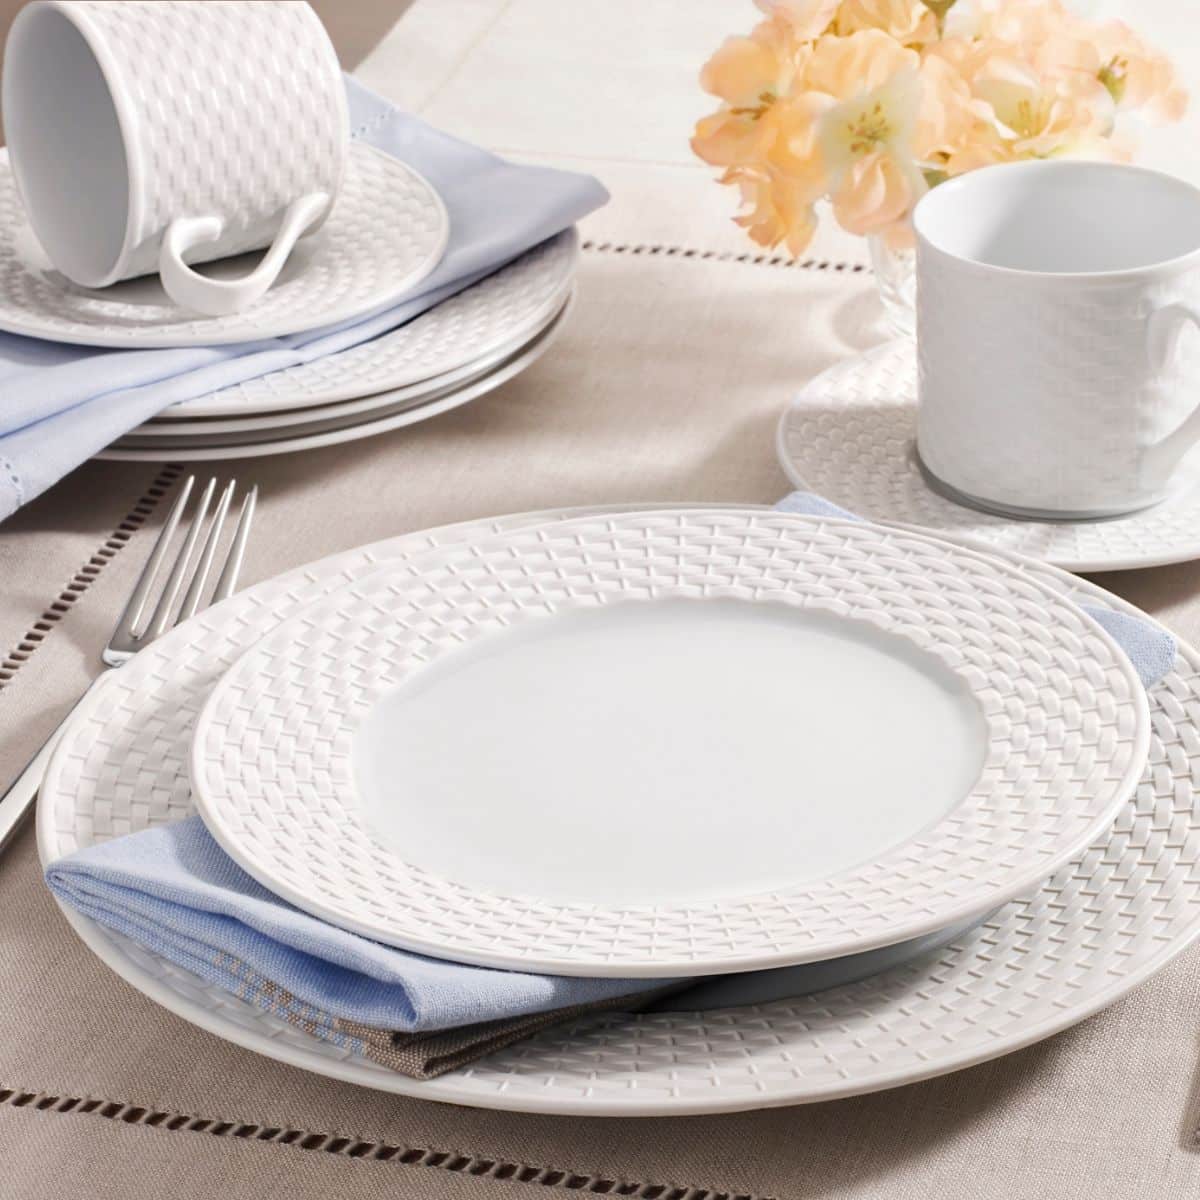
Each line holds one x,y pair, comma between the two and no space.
490,318
850,436
294,422
387,231
670,744
333,431
1066,948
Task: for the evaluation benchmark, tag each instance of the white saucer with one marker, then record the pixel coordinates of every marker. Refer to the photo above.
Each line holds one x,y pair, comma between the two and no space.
849,436
386,233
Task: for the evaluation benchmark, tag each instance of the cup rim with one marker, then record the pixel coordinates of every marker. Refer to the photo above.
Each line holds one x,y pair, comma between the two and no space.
969,179
79,17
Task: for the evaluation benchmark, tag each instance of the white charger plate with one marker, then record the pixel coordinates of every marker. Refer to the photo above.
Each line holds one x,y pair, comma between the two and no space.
849,435
1048,959
670,744
387,231
333,432
486,320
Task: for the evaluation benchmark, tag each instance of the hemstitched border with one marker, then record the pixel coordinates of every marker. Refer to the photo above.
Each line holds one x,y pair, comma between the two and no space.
372,1151
29,642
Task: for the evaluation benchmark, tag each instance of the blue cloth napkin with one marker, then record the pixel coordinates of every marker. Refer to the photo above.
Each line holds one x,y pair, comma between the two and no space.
61,404
175,892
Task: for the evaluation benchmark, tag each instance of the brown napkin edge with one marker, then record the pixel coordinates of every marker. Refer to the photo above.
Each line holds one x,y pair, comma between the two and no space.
430,1054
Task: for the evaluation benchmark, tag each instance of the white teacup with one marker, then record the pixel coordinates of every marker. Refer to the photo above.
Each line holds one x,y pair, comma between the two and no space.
147,136
1050,301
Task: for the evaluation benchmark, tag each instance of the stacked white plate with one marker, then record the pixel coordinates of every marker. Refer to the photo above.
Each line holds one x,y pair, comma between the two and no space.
459,350
449,355
674,742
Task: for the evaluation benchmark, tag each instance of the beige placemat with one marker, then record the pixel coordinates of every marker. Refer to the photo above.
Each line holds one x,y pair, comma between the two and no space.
631,404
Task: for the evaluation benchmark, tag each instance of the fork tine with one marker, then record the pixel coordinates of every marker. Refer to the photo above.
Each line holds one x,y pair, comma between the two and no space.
137,601
195,591
161,620
227,583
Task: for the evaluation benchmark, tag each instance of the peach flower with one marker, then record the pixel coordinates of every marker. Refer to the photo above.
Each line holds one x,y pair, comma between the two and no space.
750,75
1033,118
775,208
796,151
949,115
867,103
808,19
844,66
1023,22
910,22
1111,56
1137,76
870,87
962,18
964,54
1042,34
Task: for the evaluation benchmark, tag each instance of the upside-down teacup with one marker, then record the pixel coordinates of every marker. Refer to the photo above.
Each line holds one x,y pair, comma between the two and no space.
1055,375
148,136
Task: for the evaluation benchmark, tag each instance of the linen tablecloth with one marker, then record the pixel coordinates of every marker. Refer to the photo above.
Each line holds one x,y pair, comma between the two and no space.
665,385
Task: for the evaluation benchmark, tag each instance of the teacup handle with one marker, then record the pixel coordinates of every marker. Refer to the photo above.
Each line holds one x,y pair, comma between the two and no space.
1164,328
220,297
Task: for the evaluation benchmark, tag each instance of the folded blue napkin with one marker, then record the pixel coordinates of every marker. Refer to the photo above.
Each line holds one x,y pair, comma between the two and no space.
62,404
175,892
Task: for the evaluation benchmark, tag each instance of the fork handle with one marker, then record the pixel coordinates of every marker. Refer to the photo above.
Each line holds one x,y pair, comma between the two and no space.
17,802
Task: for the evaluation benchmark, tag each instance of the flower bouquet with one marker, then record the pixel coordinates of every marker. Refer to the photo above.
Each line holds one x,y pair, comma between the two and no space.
869,103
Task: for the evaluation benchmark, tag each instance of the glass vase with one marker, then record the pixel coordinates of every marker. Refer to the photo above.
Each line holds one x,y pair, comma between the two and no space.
896,279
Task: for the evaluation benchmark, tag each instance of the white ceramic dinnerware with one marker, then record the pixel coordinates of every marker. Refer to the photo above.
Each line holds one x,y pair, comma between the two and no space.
386,233
366,418
146,137
494,316
1051,299
885,734
294,422
1046,960
849,435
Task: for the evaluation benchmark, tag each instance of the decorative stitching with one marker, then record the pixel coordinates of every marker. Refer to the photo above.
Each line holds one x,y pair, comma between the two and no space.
18,487
360,131
373,1151
758,260
87,574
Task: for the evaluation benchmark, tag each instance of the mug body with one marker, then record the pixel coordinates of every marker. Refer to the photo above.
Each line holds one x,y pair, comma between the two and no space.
123,117
1045,386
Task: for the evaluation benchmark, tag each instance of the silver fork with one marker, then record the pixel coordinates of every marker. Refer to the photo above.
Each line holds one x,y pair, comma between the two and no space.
135,629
